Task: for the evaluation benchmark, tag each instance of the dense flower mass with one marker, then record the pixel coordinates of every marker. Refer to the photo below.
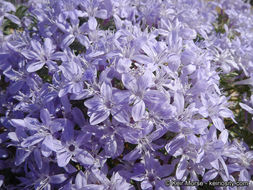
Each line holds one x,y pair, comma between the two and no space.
118,94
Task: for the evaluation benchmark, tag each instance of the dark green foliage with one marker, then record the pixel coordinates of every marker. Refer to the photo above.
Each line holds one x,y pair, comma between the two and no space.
43,73
21,11
237,93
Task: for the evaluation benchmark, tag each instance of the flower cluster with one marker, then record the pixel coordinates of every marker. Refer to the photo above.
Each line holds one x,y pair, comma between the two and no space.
117,94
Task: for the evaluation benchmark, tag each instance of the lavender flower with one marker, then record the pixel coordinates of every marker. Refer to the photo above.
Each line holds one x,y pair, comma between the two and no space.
41,55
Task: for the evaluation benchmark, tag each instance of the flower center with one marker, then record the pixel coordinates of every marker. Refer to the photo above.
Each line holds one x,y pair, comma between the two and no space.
108,104
71,148
151,177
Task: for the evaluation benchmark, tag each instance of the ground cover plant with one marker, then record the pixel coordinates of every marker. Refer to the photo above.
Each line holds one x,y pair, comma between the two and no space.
118,94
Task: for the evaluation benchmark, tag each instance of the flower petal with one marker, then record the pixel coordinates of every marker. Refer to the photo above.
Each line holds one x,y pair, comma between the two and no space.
211,174
32,140
35,66
99,117
45,116
92,23
63,158
181,168
218,123
138,110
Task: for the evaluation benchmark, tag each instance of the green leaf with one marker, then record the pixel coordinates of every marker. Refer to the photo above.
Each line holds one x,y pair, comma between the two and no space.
21,11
